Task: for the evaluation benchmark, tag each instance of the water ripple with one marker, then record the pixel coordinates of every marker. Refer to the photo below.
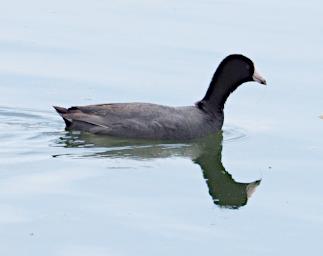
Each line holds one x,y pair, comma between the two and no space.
28,131
233,133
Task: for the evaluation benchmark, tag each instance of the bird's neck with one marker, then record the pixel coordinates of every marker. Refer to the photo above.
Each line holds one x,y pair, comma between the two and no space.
220,88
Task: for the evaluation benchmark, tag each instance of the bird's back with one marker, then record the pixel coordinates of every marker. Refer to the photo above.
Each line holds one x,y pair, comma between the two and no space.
140,120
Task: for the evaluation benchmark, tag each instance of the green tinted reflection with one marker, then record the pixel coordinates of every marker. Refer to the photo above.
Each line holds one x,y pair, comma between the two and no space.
207,153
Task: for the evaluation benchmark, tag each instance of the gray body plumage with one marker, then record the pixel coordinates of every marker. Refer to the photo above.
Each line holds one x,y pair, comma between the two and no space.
158,122
142,120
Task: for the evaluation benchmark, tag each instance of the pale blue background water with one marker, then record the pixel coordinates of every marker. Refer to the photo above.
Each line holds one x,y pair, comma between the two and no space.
86,52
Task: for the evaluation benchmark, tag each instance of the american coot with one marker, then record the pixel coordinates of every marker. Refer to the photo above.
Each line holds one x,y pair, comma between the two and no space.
152,121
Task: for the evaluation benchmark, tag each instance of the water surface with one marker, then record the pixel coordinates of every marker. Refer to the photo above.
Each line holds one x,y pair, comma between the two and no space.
253,189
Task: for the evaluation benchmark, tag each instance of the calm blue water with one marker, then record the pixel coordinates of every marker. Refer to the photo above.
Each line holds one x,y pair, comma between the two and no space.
256,189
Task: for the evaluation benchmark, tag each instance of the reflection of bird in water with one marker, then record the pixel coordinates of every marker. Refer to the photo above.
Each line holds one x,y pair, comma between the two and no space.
207,153
224,190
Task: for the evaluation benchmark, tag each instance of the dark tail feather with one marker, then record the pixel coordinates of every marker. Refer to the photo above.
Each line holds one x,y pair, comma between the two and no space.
63,111
60,110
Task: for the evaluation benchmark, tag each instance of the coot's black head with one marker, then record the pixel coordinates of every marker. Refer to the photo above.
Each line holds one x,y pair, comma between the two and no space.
233,71
239,69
